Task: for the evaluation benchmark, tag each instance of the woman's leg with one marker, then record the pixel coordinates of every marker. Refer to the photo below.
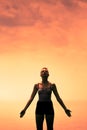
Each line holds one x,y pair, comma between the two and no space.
49,121
39,122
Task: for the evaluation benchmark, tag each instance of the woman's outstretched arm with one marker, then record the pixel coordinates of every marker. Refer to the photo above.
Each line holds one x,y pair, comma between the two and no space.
67,111
35,89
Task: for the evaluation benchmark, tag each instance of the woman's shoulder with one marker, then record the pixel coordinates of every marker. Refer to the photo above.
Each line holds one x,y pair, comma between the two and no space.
39,85
36,85
52,85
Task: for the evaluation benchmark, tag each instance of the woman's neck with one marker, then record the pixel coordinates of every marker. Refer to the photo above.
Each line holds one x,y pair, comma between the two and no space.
44,81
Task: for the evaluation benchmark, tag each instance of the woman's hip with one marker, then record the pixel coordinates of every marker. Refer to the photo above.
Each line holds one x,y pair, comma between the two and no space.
45,107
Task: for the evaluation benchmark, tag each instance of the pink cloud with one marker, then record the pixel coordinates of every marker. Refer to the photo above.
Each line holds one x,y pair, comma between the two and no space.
56,23
44,11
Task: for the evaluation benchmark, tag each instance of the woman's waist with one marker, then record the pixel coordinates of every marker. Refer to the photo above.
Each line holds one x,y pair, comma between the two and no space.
45,98
44,101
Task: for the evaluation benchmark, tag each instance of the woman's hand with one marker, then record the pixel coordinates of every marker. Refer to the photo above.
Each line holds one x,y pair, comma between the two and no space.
68,112
22,113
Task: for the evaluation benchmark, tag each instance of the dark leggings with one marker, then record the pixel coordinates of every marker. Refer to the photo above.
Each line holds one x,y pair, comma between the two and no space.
49,121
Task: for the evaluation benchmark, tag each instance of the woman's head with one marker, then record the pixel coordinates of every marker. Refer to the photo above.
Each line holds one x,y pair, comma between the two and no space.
44,72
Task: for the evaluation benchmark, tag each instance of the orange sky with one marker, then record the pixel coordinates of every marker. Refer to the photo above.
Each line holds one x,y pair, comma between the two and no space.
45,33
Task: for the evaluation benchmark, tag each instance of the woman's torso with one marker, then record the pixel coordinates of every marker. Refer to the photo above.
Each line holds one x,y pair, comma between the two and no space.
44,92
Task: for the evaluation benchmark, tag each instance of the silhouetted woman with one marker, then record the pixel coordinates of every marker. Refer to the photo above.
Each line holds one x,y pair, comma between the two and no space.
44,107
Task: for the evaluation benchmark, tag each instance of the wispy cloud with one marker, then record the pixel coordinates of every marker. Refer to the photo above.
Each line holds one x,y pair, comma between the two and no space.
32,12
59,23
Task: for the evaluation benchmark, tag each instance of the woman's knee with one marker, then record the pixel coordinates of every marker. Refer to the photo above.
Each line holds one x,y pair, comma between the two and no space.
49,121
39,122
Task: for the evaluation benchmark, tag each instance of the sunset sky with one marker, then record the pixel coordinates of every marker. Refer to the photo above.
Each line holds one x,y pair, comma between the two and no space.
36,34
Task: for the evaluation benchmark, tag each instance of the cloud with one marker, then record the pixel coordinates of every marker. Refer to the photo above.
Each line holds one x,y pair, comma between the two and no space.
73,4
70,4
30,13
21,13
57,22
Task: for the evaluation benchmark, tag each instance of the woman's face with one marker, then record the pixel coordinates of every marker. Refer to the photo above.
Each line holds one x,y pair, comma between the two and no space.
44,72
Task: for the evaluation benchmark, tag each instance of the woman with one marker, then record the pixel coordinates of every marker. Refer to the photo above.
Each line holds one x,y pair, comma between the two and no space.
44,105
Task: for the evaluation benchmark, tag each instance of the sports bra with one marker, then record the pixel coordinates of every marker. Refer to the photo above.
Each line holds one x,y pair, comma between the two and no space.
44,93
